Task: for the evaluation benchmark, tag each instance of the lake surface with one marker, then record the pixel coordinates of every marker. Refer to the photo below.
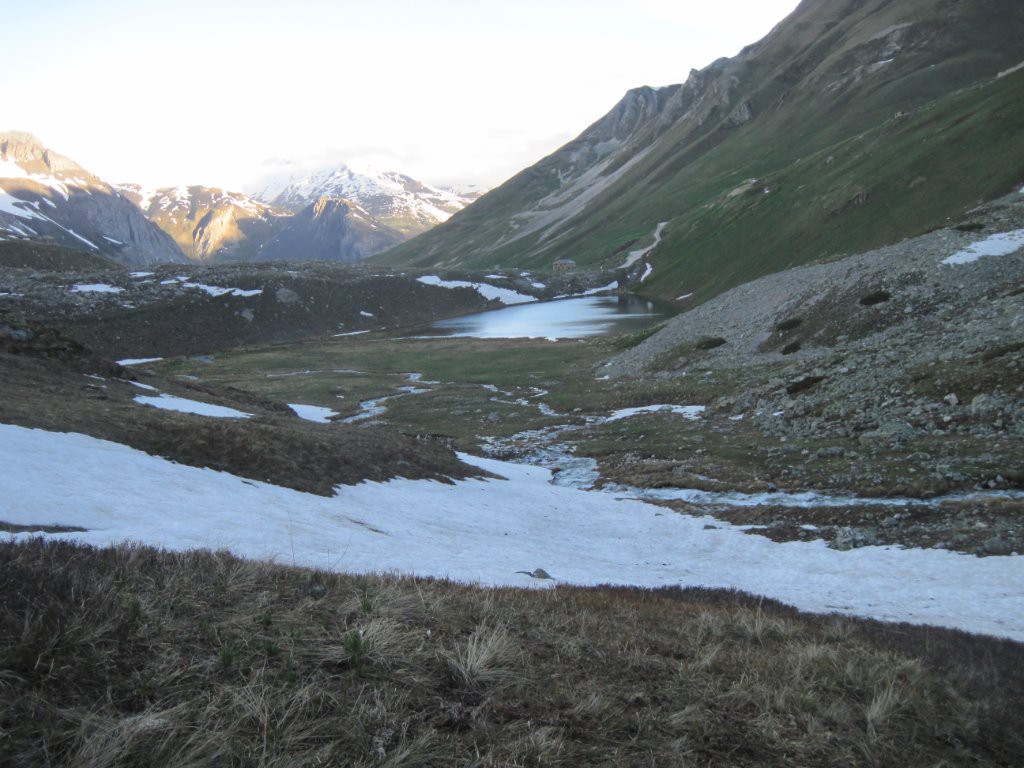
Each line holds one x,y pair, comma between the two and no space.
562,319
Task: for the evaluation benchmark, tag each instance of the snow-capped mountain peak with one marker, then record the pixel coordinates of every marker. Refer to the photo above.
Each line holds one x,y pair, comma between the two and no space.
46,196
399,201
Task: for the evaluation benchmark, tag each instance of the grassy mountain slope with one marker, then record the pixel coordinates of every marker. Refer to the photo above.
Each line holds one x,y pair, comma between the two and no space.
864,121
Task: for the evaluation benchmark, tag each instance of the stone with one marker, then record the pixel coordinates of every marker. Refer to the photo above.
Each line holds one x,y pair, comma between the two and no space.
286,295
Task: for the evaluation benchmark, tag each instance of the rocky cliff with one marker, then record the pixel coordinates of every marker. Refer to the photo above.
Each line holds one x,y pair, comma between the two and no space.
209,223
330,229
45,196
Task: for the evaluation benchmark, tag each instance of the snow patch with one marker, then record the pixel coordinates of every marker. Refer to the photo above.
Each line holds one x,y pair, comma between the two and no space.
184,405
489,292
692,412
138,360
1001,244
483,531
15,206
315,413
96,288
214,290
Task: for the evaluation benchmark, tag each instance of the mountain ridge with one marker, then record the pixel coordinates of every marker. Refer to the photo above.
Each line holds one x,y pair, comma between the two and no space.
47,196
209,223
718,157
394,199
330,229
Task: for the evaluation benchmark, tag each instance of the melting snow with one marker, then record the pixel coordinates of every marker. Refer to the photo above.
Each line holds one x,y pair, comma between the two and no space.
315,413
692,412
483,531
490,292
1001,244
183,405
96,288
14,206
214,290
138,360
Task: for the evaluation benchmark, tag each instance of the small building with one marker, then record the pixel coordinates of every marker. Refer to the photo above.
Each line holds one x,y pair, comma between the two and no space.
563,265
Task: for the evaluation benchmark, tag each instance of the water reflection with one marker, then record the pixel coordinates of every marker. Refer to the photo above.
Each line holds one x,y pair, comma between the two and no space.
562,319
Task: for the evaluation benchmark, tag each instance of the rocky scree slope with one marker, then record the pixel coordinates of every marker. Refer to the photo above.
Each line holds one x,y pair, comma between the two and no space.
209,223
883,347
45,196
850,125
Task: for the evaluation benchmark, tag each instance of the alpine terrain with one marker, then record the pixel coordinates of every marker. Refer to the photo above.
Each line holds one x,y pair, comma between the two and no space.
44,195
393,199
208,223
700,442
852,124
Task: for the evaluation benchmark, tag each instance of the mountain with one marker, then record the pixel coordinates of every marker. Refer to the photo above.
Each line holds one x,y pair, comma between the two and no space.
854,123
393,199
45,196
330,229
209,223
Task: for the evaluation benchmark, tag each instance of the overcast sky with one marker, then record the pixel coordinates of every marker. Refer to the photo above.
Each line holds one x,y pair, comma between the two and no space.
210,92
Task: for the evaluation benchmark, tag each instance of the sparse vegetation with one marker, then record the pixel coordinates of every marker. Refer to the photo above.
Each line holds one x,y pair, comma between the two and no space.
128,656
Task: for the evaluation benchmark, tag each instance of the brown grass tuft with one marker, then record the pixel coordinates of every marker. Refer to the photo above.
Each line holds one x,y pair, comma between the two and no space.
128,656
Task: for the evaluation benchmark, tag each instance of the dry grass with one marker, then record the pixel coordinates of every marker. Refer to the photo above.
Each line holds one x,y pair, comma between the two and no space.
131,657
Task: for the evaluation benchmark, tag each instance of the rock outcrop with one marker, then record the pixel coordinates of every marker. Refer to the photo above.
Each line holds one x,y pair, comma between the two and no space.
330,229
46,196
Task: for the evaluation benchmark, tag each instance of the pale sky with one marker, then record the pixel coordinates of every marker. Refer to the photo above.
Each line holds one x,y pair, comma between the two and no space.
456,91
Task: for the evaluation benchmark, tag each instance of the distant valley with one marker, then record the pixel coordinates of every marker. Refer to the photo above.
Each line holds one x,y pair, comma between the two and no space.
352,448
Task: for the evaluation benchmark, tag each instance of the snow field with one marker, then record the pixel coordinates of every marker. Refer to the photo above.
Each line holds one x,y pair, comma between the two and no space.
483,531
